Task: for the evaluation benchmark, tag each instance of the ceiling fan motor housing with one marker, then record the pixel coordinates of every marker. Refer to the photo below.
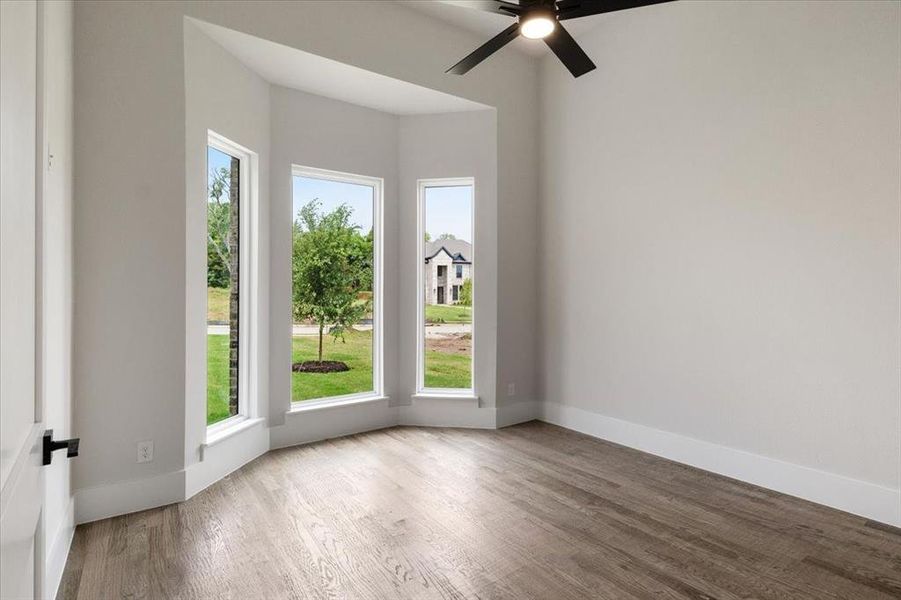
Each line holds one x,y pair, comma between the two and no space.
542,19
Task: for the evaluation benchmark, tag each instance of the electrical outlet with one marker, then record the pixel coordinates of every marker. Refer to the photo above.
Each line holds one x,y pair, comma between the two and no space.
145,451
511,389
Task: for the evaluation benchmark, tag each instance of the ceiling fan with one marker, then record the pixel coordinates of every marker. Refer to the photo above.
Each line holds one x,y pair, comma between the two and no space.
539,19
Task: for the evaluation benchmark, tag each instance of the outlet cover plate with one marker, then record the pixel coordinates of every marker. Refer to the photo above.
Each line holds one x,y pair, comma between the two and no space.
145,451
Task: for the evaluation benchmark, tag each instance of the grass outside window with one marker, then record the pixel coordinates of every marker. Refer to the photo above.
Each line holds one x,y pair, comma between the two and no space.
448,313
445,369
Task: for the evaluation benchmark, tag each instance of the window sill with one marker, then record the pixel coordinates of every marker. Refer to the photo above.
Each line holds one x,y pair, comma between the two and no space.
441,395
314,405
224,433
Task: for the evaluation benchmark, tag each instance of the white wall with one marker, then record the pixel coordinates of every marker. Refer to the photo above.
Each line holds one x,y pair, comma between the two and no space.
223,96
130,381
129,238
447,146
313,131
350,32
720,241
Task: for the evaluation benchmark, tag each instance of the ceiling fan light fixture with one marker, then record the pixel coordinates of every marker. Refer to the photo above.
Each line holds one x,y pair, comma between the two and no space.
537,25
541,20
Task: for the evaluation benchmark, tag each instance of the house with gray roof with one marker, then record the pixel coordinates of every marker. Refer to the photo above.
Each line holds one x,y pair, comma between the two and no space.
448,263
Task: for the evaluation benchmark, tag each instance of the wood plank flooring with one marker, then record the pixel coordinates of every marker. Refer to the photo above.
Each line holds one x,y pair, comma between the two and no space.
531,511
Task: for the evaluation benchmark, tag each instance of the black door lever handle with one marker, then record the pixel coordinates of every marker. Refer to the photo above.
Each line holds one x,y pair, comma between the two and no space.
50,446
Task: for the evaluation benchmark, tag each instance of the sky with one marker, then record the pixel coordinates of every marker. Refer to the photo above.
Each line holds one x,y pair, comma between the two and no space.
215,160
332,194
449,210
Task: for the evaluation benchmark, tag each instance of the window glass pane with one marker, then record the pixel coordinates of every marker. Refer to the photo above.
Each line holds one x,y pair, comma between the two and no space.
223,262
332,289
448,291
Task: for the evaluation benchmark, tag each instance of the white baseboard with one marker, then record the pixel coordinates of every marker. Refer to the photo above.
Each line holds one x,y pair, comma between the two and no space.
59,551
123,497
851,495
517,412
858,497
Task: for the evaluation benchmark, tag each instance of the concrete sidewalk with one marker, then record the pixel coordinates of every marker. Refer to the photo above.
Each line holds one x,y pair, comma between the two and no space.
431,331
297,330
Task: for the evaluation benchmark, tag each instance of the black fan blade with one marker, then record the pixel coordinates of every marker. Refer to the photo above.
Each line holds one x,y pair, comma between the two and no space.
568,51
500,7
571,9
485,50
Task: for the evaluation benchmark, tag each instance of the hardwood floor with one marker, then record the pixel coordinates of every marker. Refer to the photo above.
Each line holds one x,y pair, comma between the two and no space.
531,511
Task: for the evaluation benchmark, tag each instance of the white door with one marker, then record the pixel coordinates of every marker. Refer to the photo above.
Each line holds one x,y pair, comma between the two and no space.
21,477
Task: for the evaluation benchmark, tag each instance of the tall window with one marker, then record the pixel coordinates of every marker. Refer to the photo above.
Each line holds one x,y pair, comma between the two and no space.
228,279
446,304
335,333
223,276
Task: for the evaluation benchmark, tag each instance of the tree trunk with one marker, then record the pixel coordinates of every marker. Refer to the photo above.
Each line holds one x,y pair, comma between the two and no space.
321,325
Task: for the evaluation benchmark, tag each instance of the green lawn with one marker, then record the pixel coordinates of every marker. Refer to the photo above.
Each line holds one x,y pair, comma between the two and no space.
446,313
442,370
216,378
217,304
356,351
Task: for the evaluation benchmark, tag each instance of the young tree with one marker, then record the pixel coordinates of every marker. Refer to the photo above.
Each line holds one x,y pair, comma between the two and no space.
360,258
466,293
218,221
328,269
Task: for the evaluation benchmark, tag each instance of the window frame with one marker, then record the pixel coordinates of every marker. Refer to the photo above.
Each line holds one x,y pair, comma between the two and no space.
458,271
421,390
378,189
248,282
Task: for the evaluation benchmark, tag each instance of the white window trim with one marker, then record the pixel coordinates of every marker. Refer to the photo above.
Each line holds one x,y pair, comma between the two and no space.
248,292
308,406
220,435
378,382
421,390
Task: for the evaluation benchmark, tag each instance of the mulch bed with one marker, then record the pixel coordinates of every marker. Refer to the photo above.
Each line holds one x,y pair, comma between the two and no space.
314,366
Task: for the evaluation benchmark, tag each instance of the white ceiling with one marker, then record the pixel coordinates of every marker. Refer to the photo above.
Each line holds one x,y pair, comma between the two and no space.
490,24
296,69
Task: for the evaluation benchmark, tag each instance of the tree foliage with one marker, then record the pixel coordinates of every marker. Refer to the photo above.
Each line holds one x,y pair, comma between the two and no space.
217,253
331,266
447,236
465,297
